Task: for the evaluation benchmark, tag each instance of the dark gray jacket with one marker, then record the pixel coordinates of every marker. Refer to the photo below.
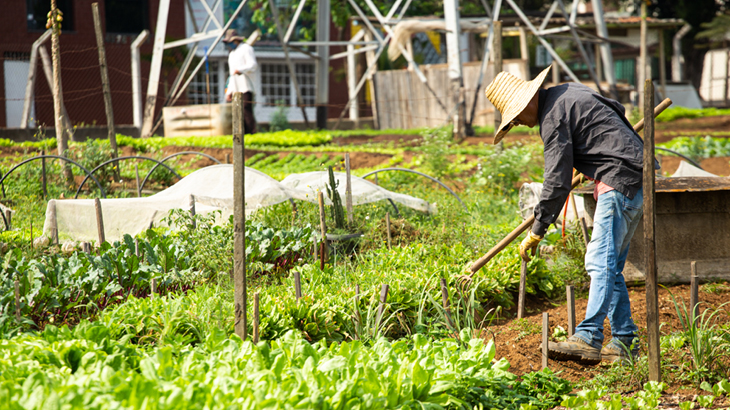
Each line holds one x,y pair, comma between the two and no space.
583,130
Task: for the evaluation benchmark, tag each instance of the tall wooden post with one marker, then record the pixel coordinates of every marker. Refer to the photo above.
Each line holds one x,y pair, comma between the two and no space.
239,219
545,338
99,221
387,227
153,82
256,318
61,134
497,53
106,90
323,229
641,78
348,189
570,292
694,292
17,300
521,292
652,296
453,58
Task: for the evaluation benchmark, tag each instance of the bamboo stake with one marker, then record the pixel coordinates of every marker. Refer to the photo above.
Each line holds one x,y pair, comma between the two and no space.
61,133
570,292
43,174
545,338
153,287
323,229
106,89
652,296
387,226
192,211
86,247
256,318
99,221
521,294
297,284
694,292
136,174
17,300
348,189
239,219
9,219
54,221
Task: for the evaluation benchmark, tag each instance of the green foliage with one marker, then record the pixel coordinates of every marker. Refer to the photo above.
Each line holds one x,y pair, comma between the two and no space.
338,214
90,365
500,171
434,150
291,163
716,31
675,113
706,344
57,289
92,154
285,138
698,148
279,119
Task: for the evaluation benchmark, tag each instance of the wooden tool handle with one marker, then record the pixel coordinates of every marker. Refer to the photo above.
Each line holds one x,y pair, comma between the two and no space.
529,221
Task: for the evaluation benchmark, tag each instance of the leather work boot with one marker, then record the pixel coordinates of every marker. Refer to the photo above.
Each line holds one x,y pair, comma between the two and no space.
574,350
615,351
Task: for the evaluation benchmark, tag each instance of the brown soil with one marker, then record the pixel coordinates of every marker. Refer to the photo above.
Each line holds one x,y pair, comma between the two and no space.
399,140
667,131
523,351
718,165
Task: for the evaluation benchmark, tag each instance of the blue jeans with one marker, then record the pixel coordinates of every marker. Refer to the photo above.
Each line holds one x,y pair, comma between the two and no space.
614,223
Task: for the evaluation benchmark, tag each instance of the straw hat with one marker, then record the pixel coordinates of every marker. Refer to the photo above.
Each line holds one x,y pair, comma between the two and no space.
232,35
510,96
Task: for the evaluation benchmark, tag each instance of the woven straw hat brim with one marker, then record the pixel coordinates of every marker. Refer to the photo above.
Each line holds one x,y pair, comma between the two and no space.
510,95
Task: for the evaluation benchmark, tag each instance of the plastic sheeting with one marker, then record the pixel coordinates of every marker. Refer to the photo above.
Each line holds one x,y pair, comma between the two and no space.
686,169
306,186
211,189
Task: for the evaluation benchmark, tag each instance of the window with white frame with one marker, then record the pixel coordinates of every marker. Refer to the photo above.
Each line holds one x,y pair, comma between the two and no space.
276,86
306,80
197,92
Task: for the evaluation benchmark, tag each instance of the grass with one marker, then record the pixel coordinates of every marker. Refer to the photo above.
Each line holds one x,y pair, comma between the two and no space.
675,113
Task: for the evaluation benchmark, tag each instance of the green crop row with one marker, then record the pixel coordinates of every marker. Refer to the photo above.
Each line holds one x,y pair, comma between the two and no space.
675,113
94,366
697,147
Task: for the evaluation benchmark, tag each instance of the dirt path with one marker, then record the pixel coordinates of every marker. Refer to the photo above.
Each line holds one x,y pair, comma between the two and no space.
519,342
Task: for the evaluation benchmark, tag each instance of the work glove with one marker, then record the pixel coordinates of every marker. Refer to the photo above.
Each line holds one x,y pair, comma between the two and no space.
529,244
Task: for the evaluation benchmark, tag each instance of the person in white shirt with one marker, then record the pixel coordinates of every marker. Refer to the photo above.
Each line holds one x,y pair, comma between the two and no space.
242,67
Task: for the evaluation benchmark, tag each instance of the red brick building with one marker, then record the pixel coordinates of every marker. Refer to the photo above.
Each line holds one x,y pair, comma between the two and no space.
23,21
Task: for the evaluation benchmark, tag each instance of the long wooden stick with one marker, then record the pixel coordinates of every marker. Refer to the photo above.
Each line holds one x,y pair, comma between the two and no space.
531,219
652,296
239,221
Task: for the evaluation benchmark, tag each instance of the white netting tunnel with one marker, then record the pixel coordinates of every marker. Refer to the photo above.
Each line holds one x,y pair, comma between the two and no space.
210,189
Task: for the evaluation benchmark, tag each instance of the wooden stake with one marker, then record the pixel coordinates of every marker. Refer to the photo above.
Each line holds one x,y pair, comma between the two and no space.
383,297
9,218
136,174
54,221
192,210
153,287
61,133
17,300
239,219
31,235
348,189
584,227
545,338
521,294
694,292
323,229
446,303
136,247
43,174
256,318
297,284
99,221
497,53
228,158
652,295
387,226
569,291
375,177
86,247
106,89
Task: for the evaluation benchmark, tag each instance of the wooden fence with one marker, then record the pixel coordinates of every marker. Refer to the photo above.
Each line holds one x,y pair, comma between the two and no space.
404,102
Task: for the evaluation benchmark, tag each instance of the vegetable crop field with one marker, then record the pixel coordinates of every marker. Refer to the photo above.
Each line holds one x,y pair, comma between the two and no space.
147,322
